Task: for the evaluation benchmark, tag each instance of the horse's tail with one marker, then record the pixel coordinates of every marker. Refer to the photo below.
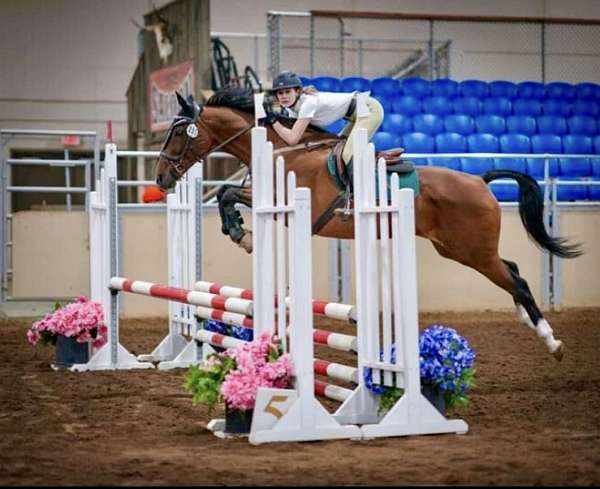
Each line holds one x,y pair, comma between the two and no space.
531,210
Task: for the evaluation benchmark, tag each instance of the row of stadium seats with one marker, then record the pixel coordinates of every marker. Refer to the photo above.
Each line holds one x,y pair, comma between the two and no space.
421,88
451,142
493,124
410,105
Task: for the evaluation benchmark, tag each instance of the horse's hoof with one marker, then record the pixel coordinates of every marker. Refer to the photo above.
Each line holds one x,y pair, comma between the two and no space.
559,351
246,242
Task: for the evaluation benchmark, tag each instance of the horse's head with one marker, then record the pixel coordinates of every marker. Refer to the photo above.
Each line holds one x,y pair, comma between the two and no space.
184,145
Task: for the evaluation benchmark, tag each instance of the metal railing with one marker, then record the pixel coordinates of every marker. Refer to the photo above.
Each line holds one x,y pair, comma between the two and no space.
7,188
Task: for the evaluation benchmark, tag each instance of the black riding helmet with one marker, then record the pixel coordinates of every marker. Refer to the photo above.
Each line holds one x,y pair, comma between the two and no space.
286,79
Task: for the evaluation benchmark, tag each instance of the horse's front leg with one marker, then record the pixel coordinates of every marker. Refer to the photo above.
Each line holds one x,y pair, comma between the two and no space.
231,219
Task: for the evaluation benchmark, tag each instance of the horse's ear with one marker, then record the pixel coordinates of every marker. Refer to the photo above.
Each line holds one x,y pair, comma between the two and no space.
184,104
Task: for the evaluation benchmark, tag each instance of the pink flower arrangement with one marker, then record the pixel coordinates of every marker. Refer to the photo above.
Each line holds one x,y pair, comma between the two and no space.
236,374
82,320
257,366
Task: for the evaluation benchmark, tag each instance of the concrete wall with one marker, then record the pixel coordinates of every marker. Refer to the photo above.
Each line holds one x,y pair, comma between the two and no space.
52,259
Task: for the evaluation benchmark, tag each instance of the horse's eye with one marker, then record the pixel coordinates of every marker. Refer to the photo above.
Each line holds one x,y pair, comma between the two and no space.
178,132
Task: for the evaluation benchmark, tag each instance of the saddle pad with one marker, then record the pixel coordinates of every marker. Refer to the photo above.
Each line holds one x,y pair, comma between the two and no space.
406,180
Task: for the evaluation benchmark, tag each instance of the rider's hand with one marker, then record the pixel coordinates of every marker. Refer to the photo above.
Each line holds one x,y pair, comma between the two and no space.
270,118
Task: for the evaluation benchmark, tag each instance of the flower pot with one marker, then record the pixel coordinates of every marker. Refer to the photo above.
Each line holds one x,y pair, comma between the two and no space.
237,421
69,351
435,397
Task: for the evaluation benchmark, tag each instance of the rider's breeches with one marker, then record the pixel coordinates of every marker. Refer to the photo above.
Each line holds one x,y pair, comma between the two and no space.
370,122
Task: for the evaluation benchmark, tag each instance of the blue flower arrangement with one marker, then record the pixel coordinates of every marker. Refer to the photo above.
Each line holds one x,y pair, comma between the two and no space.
446,364
238,332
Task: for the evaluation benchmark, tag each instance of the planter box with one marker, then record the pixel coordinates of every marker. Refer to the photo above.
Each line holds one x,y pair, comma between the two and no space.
69,351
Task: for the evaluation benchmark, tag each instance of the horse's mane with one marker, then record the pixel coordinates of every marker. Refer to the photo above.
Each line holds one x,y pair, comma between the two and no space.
242,99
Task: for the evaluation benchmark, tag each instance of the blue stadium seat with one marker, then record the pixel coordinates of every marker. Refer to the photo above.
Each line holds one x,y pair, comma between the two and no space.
444,87
513,143
450,142
544,143
552,124
385,102
352,83
452,163
527,106
336,126
467,105
553,106
474,88
560,90
587,90
585,107
326,83
418,142
305,80
594,190
397,124
491,124
497,106
437,105
503,88
385,86
576,144
480,143
571,192
521,124
596,161
531,89
407,105
417,87
505,191
428,123
582,124
385,140
460,123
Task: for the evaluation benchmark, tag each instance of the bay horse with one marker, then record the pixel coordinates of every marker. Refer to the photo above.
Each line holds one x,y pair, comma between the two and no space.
455,211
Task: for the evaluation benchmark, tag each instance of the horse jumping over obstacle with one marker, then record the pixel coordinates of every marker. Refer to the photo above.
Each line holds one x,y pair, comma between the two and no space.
455,211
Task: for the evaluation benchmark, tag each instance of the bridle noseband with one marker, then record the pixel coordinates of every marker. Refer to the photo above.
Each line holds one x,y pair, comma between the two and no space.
176,167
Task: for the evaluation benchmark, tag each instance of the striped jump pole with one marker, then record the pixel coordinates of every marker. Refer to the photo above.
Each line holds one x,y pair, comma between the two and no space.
337,341
322,367
333,310
196,298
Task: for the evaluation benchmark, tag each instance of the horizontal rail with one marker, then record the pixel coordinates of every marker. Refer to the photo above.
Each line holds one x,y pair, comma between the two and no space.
40,132
55,190
40,162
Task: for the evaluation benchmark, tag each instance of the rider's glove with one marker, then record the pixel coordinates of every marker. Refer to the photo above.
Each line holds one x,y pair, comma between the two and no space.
270,118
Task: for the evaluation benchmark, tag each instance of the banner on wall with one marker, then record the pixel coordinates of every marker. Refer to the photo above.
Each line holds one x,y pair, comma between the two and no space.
162,85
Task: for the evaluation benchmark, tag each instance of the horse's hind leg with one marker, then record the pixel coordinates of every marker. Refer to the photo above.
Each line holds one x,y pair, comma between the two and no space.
531,315
505,274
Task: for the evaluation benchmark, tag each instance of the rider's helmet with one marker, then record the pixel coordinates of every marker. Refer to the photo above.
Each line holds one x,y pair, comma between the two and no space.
286,79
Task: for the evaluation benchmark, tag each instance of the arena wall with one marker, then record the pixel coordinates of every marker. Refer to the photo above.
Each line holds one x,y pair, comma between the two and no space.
44,268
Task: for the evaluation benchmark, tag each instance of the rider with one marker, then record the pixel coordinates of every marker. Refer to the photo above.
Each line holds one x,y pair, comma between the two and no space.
308,106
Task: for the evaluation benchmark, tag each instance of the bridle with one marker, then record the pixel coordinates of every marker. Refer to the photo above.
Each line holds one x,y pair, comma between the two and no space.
176,167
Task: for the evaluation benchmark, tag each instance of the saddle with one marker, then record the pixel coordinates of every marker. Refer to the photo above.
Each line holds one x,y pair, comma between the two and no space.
391,156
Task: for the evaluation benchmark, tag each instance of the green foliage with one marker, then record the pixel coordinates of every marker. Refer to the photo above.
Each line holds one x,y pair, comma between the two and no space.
204,382
458,399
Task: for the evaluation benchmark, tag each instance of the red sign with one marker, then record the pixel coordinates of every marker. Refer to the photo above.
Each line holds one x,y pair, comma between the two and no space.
162,85
70,140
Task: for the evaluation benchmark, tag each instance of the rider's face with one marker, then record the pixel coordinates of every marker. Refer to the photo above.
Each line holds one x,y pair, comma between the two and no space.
287,96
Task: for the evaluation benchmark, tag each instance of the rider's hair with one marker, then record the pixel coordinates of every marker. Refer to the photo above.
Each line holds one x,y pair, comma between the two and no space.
309,90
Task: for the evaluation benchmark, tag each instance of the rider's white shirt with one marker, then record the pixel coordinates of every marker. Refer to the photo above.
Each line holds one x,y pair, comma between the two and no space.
323,108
